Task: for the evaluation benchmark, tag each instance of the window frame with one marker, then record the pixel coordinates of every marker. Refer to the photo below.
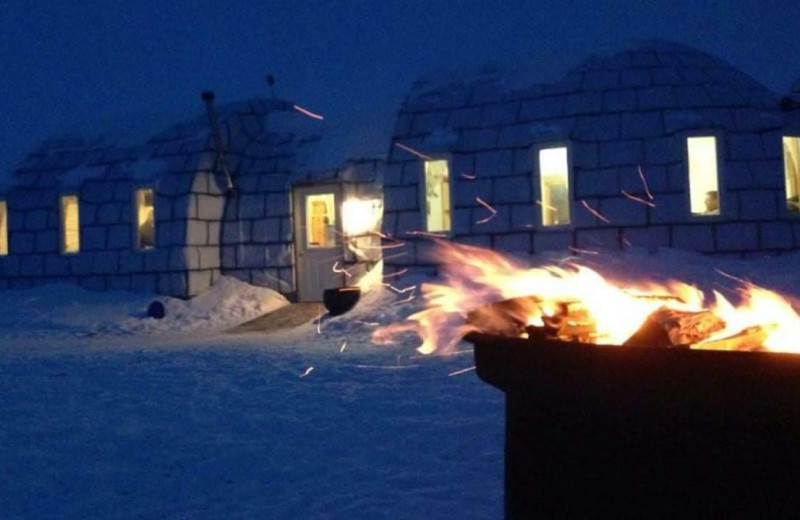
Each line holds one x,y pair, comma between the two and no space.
135,220
784,207
62,228
722,198
536,178
423,198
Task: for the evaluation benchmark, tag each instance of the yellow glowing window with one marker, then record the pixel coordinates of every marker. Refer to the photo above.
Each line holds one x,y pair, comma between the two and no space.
70,225
145,219
554,185
703,175
437,196
3,228
791,168
321,220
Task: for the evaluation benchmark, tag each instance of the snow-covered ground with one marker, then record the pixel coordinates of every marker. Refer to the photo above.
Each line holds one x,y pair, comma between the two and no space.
105,413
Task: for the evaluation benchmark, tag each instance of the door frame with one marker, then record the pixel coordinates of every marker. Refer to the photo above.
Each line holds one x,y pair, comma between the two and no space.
298,193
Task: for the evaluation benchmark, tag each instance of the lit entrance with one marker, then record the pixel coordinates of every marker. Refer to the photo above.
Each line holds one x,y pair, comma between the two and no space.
317,240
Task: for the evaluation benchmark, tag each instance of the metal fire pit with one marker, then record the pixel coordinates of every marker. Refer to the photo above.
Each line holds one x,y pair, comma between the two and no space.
638,432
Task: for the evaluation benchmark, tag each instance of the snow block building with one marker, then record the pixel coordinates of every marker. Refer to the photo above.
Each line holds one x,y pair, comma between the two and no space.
657,145
170,212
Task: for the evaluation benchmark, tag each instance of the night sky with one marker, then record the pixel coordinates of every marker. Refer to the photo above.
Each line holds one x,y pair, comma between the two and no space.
66,64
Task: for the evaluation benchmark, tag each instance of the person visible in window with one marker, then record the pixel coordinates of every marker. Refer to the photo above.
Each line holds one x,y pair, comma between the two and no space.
147,230
330,233
712,202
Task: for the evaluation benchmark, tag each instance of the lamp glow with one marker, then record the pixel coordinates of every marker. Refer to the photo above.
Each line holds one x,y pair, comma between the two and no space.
360,216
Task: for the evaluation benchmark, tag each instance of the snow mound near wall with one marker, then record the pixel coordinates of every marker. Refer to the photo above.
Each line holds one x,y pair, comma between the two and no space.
69,311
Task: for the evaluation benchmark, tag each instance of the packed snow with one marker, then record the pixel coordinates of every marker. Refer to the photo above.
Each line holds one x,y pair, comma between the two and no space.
110,414
63,311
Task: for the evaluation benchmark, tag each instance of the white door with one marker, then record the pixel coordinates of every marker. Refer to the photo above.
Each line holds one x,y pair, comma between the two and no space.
317,240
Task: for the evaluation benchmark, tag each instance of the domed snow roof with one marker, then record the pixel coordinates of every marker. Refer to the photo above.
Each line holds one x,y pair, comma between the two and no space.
666,64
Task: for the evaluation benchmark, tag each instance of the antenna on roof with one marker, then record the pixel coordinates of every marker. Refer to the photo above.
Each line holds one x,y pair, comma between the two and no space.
271,83
222,157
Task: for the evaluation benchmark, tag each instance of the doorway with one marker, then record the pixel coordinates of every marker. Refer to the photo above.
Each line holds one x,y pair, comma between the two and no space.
317,240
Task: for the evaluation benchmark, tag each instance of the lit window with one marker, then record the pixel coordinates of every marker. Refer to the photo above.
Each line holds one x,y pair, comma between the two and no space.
70,225
791,168
145,219
703,176
437,196
3,228
554,185
321,220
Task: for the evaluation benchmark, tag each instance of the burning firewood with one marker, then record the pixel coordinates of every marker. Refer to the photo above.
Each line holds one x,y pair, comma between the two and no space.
751,338
506,318
673,328
571,321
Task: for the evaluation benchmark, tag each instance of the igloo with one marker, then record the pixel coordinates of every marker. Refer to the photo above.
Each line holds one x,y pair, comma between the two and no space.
658,145
231,191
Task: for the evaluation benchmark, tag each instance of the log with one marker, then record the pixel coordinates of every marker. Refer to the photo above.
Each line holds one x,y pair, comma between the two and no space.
504,318
751,338
572,322
673,328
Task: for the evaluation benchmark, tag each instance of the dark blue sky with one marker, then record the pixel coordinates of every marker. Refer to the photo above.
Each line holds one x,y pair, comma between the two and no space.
65,63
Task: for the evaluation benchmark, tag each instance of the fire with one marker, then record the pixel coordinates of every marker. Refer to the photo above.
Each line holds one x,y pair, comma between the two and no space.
473,278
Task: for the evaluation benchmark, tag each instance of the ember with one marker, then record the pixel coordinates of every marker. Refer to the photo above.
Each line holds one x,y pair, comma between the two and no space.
575,303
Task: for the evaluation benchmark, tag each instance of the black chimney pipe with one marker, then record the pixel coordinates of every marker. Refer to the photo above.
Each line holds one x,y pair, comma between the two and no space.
222,157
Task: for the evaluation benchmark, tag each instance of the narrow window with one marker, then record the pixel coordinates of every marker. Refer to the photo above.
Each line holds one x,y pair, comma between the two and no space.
145,219
554,185
791,168
321,220
70,224
437,196
3,228
703,175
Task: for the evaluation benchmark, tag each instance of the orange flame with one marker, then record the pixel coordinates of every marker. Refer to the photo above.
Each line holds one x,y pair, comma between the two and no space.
473,277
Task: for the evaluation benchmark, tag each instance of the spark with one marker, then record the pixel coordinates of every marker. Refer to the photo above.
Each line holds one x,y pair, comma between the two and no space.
644,183
459,372
387,246
308,371
487,206
396,255
546,206
405,300
380,235
627,242
427,234
341,270
468,176
399,291
319,319
395,242
587,251
412,151
388,367
594,212
736,278
367,323
638,199
401,272
307,112
344,346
